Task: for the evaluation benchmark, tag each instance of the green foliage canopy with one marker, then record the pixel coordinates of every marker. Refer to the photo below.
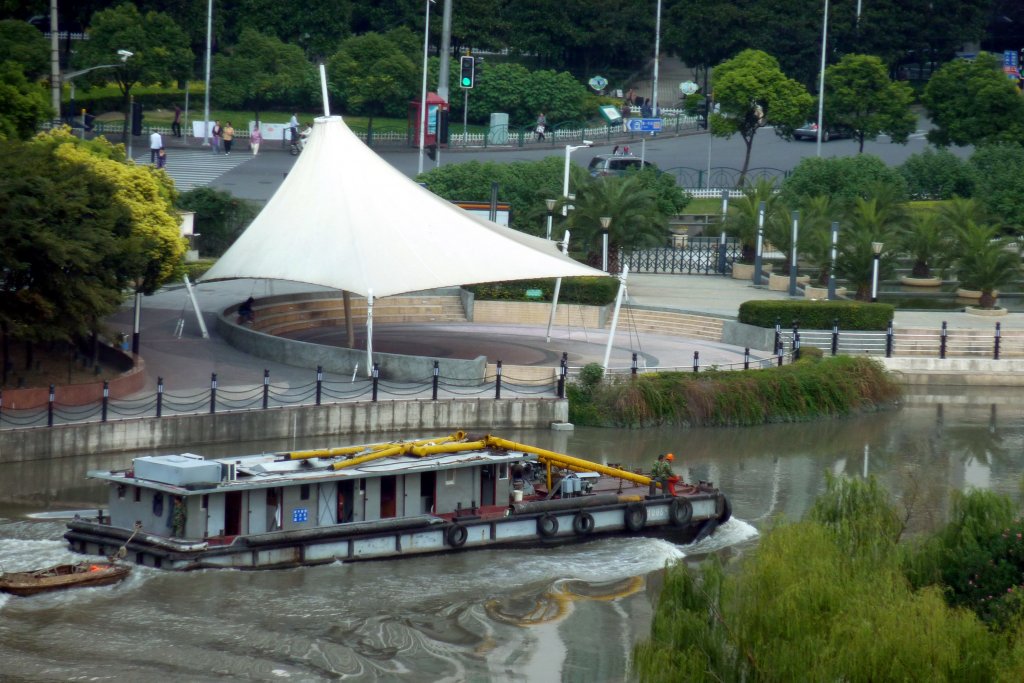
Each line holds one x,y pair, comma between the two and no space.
860,96
972,102
373,76
21,43
257,70
22,104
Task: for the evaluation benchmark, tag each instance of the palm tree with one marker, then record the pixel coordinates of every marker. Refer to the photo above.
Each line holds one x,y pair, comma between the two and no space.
815,241
741,220
867,222
986,261
637,219
927,240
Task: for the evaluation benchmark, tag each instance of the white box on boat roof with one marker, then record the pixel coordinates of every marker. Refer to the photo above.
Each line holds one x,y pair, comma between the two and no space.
177,470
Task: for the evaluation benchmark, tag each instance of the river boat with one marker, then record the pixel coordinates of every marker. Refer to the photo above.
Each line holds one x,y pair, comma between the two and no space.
383,500
63,576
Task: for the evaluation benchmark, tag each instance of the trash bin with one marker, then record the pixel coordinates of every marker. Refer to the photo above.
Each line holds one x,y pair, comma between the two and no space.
497,133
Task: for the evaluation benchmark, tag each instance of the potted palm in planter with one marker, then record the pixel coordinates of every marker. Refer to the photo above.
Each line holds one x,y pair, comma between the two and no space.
926,240
741,222
986,262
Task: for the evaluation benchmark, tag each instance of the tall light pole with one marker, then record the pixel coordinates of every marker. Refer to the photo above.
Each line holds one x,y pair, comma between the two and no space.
832,266
721,243
657,50
760,243
821,83
423,89
605,222
551,210
792,254
569,149
55,62
876,251
206,94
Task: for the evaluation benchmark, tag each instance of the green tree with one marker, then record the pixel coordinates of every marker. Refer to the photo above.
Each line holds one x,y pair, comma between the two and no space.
860,96
221,217
636,218
21,43
999,174
754,93
972,103
372,76
315,26
843,179
986,260
521,93
257,70
937,174
927,241
688,23
22,104
869,220
159,50
743,217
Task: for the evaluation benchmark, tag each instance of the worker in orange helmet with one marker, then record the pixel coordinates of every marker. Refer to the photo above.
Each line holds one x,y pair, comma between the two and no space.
670,476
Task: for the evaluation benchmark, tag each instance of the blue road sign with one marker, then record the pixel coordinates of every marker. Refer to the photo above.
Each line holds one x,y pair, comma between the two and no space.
644,125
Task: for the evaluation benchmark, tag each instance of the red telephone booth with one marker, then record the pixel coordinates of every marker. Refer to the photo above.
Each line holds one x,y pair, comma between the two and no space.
437,121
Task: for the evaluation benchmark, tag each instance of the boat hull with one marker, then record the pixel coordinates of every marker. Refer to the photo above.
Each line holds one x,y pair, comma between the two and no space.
63,577
679,519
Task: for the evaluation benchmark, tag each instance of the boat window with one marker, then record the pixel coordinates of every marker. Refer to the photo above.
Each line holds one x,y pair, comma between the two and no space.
449,477
503,470
304,492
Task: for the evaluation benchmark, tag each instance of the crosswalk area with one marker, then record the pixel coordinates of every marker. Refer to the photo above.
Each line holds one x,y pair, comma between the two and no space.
192,168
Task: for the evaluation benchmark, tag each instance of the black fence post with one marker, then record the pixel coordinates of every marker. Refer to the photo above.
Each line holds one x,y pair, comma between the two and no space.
633,367
49,409
796,346
106,401
159,397
778,336
319,382
266,388
213,393
942,341
888,340
746,358
995,353
1,405
376,379
780,354
835,336
563,373
696,361
497,381
433,391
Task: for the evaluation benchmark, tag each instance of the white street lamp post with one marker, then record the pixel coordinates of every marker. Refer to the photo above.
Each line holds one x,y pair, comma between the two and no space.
793,253
821,82
423,89
569,149
605,222
760,243
721,243
551,209
832,266
876,250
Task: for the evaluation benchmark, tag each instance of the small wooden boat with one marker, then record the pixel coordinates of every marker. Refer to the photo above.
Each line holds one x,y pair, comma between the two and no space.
62,576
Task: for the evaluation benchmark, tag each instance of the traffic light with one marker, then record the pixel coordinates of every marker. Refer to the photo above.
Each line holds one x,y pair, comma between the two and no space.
467,67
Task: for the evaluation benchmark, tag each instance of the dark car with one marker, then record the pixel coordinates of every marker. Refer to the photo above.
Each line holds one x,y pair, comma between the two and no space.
616,164
809,131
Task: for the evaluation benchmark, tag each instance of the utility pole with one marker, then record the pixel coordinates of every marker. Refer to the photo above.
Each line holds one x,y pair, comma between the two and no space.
446,44
55,61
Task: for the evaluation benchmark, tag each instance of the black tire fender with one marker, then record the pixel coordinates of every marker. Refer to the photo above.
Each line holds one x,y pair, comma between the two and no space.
547,525
636,517
583,523
726,510
680,512
457,535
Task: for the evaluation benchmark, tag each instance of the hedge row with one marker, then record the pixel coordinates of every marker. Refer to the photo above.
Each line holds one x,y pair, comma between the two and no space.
817,315
587,291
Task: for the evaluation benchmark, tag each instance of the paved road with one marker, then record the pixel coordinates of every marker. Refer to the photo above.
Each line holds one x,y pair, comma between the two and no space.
191,168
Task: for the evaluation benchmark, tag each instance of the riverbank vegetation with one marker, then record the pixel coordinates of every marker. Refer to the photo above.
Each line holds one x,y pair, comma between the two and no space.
807,389
837,596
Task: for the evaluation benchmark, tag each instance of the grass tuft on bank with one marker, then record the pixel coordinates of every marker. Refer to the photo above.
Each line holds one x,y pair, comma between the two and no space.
810,388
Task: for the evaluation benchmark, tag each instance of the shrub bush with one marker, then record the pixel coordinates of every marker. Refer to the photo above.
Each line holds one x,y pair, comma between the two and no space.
843,179
937,174
587,291
817,315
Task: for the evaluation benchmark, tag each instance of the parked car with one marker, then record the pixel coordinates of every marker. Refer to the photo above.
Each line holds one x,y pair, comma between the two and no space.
809,131
616,164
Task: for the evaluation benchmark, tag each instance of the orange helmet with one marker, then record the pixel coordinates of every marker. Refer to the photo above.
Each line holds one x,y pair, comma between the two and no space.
670,457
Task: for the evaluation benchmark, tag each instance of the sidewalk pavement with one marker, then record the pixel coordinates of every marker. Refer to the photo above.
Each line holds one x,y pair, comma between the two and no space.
186,362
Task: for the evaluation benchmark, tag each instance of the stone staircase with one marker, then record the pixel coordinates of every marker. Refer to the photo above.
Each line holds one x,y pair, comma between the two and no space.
674,323
282,318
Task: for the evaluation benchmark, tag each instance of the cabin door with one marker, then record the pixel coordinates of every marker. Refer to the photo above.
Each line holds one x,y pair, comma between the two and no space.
487,485
275,509
346,496
388,497
428,493
233,513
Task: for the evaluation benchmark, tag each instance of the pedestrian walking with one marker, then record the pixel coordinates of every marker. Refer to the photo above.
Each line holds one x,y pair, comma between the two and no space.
293,132
542,125
229,137
176,123
255,139
156,143
161,158
215,137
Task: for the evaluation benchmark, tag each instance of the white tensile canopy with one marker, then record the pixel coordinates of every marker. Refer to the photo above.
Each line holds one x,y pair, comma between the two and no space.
344,218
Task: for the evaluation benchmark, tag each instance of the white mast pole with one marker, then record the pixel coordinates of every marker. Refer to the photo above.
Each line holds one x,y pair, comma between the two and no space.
615,315
558,288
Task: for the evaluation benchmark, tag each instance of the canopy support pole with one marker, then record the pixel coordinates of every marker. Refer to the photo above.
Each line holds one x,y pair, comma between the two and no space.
195,307
615,315
369,332
323,90
558,288
350,330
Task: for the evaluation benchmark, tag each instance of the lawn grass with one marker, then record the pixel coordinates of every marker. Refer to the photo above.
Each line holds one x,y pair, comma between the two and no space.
709,205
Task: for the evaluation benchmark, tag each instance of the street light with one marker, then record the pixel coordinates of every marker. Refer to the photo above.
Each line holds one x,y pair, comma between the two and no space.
551,210
832,267
821,83
605,222
206,93
793,253
876,250
760,243
569,149
423,89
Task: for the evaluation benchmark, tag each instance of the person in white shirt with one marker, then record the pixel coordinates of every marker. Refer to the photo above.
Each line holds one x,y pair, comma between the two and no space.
156,143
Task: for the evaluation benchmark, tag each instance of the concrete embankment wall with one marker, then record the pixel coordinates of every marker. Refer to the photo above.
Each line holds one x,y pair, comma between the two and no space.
976,372
336,420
